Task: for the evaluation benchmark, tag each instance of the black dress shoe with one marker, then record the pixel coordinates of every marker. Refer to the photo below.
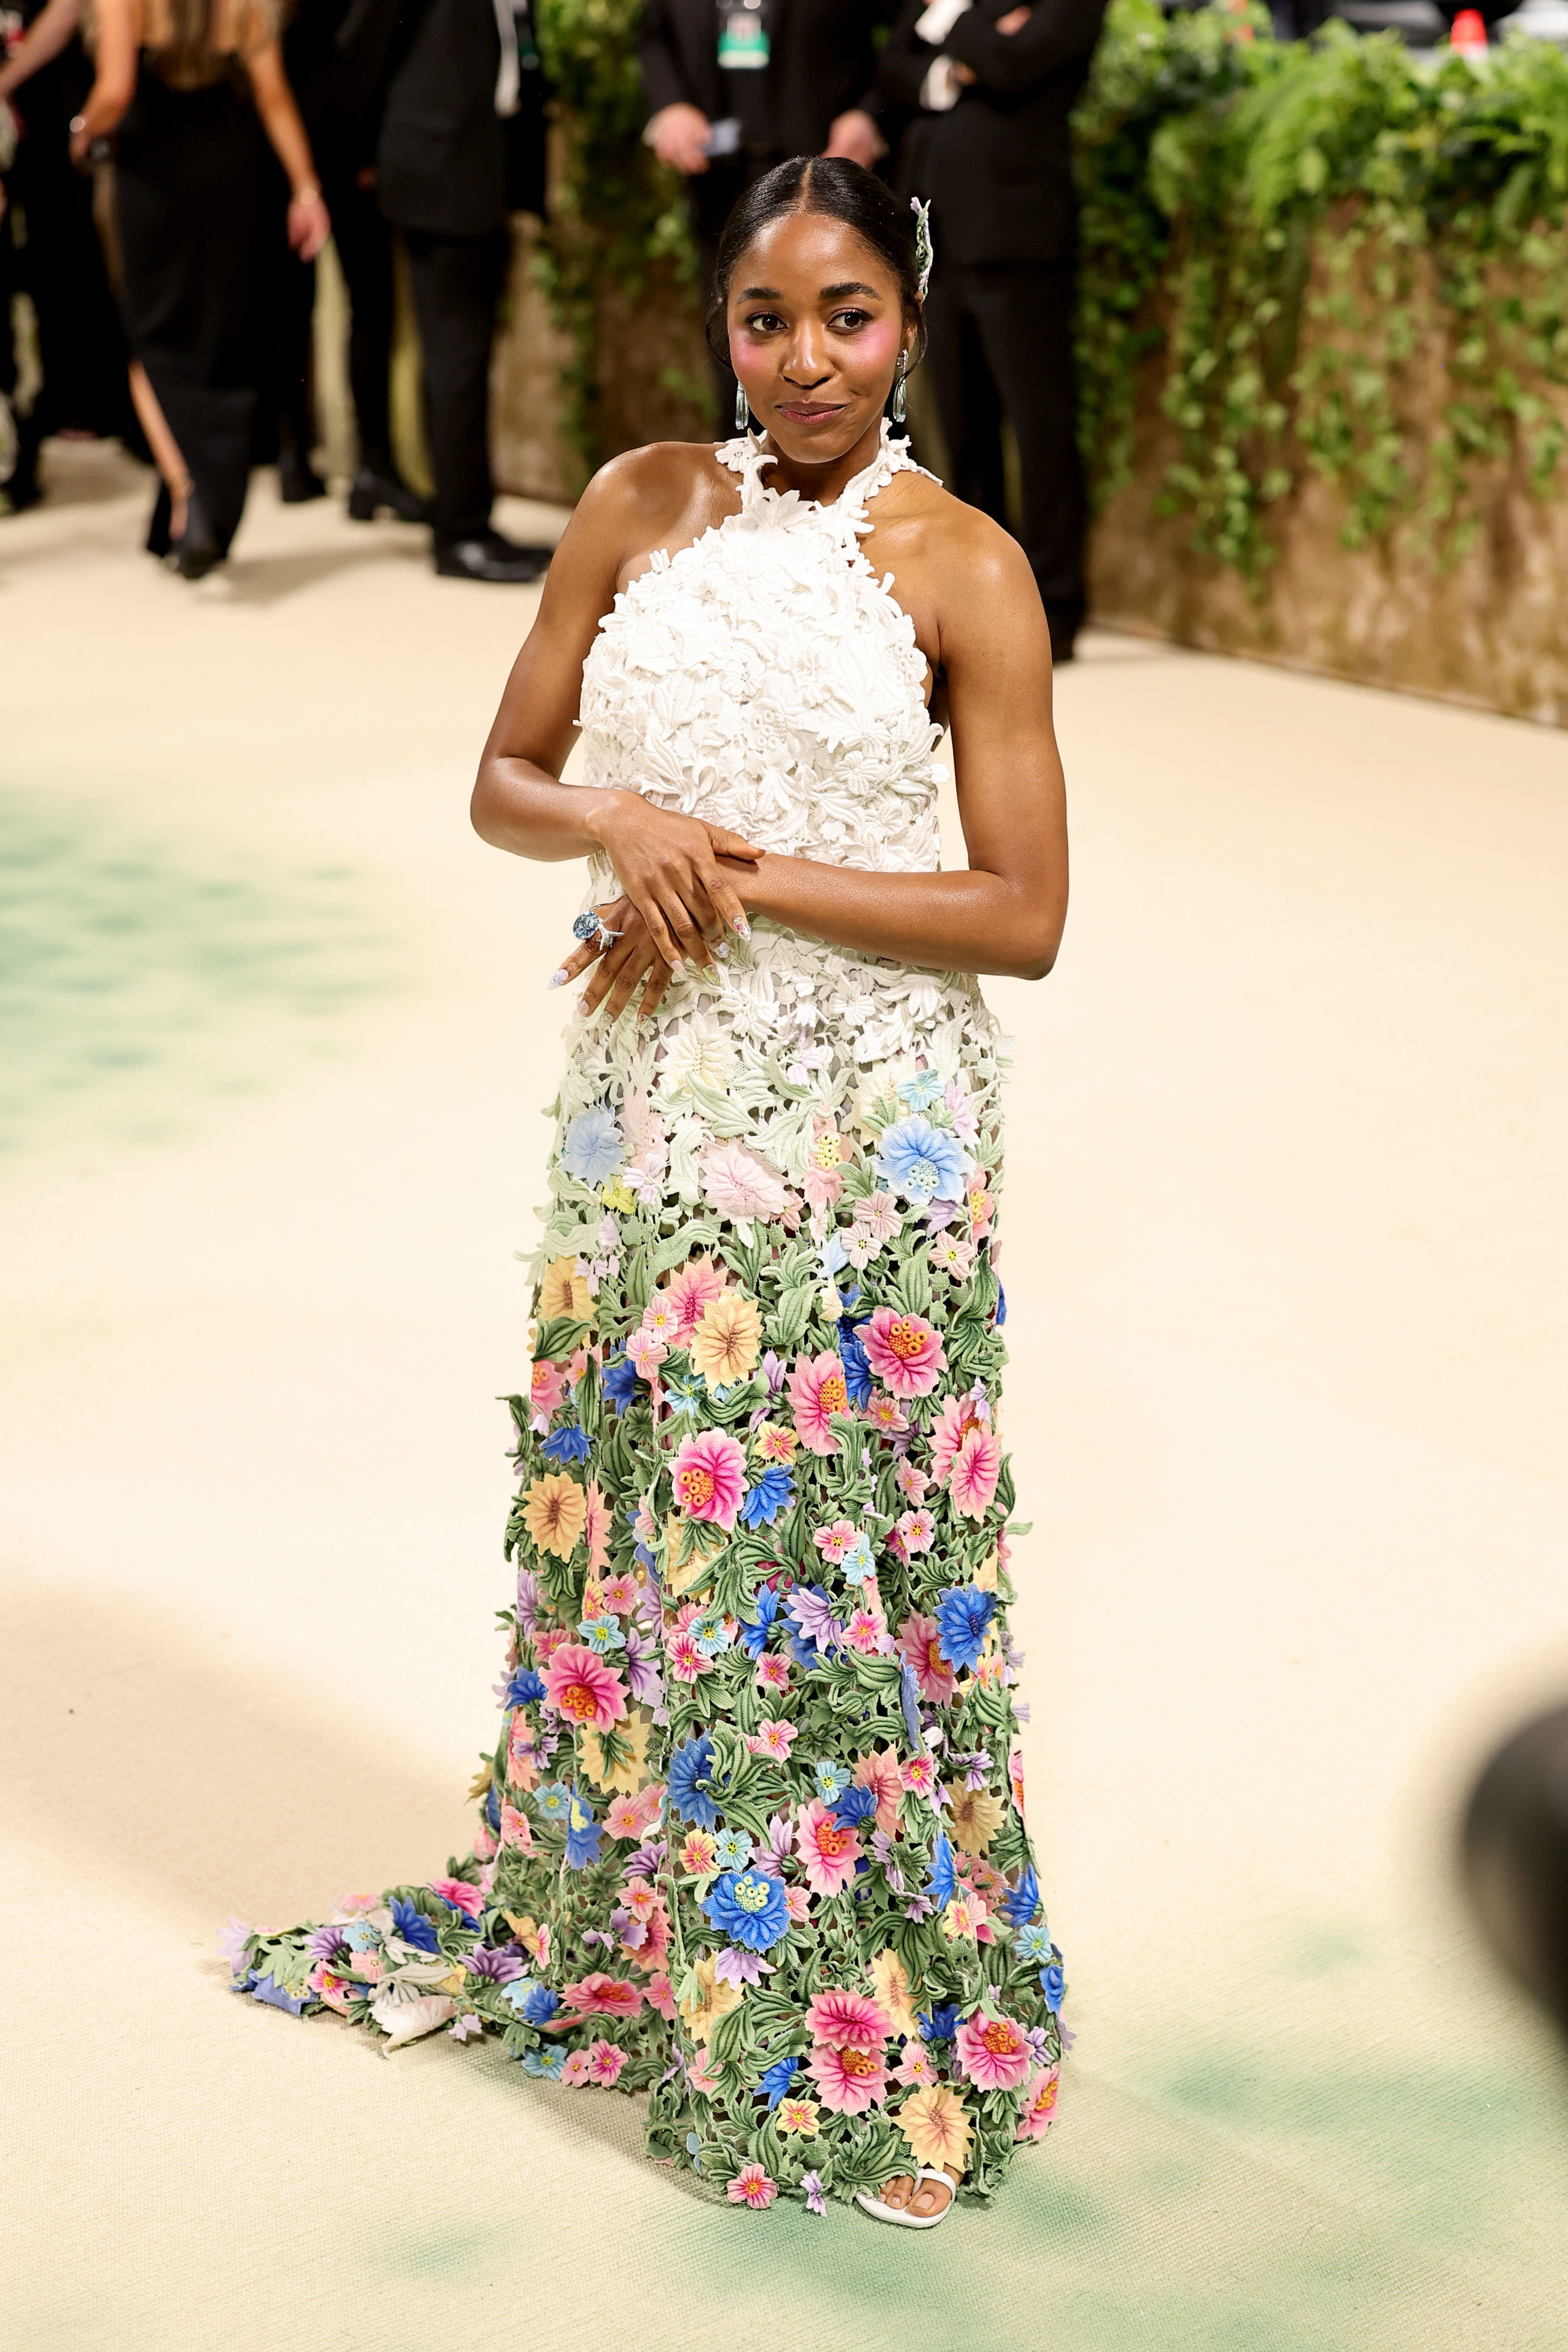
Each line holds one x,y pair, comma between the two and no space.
1064,628
158,524
374,487
489,556
297,482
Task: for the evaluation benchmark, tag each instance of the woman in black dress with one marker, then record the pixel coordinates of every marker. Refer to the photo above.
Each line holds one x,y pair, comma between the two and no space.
177,78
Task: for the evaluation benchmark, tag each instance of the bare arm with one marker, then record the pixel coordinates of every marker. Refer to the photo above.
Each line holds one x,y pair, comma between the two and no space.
668,864
44,38
1006,913
114,78
308,227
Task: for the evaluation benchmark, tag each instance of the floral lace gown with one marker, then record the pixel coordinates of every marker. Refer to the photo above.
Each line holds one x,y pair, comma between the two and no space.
753,1836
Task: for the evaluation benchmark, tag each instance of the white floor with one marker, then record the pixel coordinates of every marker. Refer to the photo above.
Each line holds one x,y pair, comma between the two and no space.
1286,1284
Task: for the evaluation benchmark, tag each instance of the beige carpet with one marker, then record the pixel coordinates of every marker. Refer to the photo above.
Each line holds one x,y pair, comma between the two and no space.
1285,1277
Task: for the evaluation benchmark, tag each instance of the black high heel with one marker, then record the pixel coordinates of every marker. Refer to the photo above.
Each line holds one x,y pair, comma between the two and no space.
157,540
197,552
377,485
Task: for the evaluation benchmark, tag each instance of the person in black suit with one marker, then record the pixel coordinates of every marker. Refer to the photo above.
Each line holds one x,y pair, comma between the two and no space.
461,145
733,89
992,148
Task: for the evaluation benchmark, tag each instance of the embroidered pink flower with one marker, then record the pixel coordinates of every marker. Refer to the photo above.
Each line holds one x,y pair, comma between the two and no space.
639,1899
915,1531
1039,2104
661,1997
577,2070
799,1902
738,1183
817,1388
910,1480
919,1641
828,1848
601,1996
823,1186
627,1816
773,1672
459,1894
547,1386
957,1416
646,1352
698,2074
975,1470
752,2186
993,2052
917,2068
885,1413
773,1738
605,2062
840,2016
866,1631
596,1524
585,1687
658,1331
685,1659
879,1216
904,1352
881,1774
690,1289
710,1476
834,1542
849,2079
699,1854
515,1829
981,1207
1016,1775
620,1594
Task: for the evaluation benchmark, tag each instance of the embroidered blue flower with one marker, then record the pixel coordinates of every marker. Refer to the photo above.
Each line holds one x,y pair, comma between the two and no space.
555,1801
733,1850
591,1149
943,1874
619,1383
909,1701
534,2002
546,2062
583,1835
685,1396
567,1445
940,2024
832,1779
858,1562
412,1925
774,2084
1001,1306
857,1365
525,1687
919,1092
267,1988
1034,1943
855,1805
1025,1899
749,1907
754,1633
919,1162
768,1495
493,1810
962,1614
1053,1984
688,1764
709,1632
602,1633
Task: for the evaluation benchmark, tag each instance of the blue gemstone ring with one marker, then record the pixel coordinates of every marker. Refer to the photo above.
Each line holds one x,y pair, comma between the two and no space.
591,925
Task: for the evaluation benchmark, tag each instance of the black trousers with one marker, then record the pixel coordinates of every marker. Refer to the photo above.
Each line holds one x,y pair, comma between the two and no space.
364,243
1000,345
457,284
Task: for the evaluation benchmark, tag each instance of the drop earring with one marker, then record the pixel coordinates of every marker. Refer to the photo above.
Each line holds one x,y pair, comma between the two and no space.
743,409
900,388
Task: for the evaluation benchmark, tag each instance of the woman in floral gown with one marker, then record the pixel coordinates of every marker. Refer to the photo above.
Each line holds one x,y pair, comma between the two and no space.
752,1837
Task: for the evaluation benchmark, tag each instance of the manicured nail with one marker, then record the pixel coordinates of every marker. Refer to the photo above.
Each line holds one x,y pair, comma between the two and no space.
743,926
721,950
677,969
557,979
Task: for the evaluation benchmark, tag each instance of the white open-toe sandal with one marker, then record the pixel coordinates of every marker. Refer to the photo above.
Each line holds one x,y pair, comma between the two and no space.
900,2215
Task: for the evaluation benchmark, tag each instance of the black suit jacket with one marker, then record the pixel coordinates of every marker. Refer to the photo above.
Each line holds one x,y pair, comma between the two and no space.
998,165
445,161
823,62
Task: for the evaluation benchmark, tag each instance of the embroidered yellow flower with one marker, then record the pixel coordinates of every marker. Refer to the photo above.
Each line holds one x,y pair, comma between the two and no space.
891,1981
555,1511
700,2012
798,2115
974,1819
727,1340
564,1291
937,2129
618,1197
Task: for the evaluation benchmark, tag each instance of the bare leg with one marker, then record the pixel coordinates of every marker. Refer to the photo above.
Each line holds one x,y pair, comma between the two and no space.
165,448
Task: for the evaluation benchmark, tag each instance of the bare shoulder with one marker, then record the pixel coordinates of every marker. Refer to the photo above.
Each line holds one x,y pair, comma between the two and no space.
661,480
972,573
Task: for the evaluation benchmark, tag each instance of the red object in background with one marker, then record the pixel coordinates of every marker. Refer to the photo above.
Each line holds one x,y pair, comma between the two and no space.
1468,33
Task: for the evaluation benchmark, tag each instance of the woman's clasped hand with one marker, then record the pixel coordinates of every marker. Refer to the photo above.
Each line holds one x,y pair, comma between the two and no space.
677,905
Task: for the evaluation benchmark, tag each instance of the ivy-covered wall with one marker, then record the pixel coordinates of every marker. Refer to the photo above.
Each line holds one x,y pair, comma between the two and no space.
1323,339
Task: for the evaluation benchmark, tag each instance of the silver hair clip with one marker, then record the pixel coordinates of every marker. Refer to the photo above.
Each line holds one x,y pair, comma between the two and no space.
923,252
